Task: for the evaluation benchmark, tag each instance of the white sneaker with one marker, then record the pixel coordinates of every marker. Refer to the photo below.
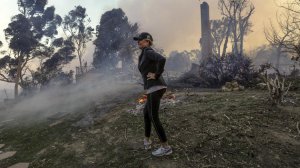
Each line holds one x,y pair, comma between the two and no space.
162,151
147,144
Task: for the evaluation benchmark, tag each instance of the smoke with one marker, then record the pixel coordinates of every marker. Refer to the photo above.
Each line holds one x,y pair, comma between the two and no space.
93,88
175,24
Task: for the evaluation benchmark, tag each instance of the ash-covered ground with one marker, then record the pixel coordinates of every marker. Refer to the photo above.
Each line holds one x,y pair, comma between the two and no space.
206,128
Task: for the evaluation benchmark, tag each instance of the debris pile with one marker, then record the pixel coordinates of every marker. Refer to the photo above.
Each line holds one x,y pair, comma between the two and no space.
232,86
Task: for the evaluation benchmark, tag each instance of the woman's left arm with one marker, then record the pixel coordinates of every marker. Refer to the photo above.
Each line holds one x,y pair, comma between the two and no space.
161,60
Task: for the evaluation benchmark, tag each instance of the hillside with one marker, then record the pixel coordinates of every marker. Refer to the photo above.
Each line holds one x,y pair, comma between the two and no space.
205,129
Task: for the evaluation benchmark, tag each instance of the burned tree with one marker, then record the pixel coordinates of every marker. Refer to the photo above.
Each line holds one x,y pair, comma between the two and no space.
76,28
25,33
114,40
219,29
51,68
278,38
292,43
22,42
277,84
237,13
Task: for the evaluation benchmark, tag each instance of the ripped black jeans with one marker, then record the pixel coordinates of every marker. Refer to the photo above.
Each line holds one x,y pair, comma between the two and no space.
151,110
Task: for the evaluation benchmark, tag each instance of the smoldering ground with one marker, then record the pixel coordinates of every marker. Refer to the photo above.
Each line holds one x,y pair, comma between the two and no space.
94,88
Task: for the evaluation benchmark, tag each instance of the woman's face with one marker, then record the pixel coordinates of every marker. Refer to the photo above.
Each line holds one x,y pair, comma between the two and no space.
143,43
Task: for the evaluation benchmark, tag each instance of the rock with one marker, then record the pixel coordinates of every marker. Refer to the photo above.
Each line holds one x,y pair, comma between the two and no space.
2,145
6,155
20,165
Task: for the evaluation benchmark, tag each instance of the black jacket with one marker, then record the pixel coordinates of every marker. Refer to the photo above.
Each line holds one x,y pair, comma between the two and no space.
151,61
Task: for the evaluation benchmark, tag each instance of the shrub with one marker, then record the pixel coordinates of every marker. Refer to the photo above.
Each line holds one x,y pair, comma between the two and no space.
216,71
277,84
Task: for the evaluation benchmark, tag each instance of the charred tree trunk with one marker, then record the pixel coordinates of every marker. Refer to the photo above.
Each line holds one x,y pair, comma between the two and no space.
235,39
235,27
219,51
18,75
278,55
227,38
242,44
80,64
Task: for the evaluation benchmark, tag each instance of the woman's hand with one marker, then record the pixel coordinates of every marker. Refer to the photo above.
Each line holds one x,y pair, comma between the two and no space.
150,76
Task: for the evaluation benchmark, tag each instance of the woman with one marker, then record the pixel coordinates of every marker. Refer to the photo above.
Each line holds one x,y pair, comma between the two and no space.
151,65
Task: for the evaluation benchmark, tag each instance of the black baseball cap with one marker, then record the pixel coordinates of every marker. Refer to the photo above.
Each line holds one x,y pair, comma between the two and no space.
143,36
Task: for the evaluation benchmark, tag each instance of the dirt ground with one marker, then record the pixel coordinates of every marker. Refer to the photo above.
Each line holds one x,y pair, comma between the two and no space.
205,129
